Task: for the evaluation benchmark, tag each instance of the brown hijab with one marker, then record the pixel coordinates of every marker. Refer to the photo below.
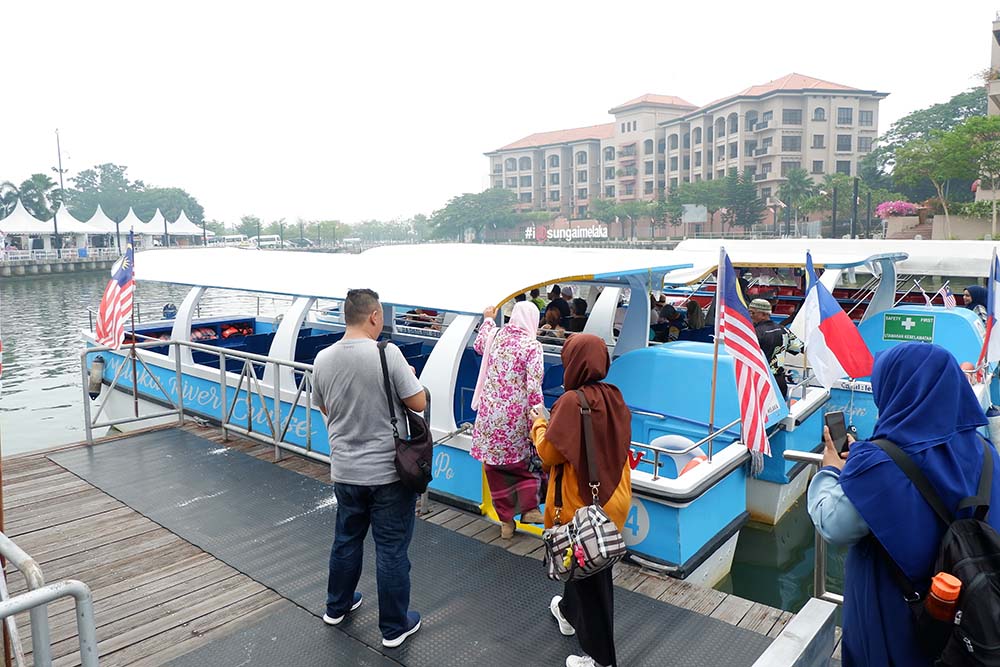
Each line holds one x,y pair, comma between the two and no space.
585,364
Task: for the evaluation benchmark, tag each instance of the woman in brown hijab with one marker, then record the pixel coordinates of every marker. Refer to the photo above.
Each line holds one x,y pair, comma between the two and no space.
586,607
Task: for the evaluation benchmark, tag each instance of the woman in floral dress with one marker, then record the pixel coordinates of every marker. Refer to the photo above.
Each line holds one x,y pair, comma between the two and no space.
509,385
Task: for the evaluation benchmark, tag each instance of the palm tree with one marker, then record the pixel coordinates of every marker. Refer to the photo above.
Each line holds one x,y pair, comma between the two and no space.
797,187
9,194
38,195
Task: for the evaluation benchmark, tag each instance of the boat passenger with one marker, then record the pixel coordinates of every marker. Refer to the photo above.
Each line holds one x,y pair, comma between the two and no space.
695,316
586,607
557,301
537,299
579,318
349,390
552,331
509,383
926,408
774,341
975,297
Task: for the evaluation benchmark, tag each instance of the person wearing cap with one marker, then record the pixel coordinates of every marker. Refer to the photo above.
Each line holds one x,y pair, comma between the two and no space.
774,341
669,325
558,301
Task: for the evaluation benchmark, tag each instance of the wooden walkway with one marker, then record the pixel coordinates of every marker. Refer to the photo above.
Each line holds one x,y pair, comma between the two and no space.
157,596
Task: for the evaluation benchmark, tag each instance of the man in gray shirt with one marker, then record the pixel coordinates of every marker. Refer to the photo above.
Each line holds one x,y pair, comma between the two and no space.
349,391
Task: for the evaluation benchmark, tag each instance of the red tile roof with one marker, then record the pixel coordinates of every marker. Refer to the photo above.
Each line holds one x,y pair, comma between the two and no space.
604,131
789,82
651,99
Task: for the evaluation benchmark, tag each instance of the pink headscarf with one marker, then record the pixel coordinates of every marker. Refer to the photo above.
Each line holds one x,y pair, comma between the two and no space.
524,318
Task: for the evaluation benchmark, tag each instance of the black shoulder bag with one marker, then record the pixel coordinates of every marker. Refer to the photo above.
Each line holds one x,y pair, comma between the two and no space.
414,453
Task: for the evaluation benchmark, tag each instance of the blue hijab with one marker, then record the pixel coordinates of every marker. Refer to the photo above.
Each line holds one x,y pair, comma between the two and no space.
927,408
979,296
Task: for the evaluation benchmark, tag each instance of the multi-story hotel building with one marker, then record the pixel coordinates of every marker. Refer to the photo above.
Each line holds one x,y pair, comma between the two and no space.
658,142
992,95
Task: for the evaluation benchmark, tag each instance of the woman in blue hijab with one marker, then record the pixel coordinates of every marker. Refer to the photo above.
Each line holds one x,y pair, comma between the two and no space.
928,409
975,297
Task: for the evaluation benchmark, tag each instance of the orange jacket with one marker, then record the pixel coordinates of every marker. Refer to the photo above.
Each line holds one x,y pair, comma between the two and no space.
618,505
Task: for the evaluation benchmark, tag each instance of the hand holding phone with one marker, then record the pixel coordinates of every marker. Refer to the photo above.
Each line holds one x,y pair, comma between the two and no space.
838,430
538,412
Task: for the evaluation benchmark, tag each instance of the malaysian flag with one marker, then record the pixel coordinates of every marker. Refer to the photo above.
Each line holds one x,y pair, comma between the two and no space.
949,298
753,375
116,304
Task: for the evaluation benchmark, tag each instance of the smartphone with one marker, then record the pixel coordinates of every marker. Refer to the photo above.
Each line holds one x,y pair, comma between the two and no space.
838,429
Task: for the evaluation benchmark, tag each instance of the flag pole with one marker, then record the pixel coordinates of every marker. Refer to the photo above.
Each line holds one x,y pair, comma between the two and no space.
719,301
135,382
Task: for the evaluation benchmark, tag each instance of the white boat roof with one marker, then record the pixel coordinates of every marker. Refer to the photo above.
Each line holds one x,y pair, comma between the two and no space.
463,278
931,258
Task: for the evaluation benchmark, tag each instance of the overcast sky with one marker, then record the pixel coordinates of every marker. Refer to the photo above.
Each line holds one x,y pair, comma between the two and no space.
360,110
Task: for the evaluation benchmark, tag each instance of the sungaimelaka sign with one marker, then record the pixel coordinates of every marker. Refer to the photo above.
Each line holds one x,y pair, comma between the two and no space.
540,233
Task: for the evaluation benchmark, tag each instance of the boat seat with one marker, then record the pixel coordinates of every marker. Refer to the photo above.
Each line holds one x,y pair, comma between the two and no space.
703,335
676,443
410,349
552,387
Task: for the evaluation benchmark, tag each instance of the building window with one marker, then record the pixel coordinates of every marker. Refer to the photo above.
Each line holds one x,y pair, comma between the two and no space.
791,116
765,168
721,173
526,181
623,128
720,127
673,142
553,161
554,195
498,168
581,193
609,173
844,167
844,143
673,182
817,167
661,146
609,153
525,198
866,118
673,163
660,185
765,193
628,151
647,168
697,159
749,147
630,188
766,143
581,157
697,178
498,183
609,191
819,114
661,166
697,136
524,164
687,140
722,152
791,143
581,176
687,163
553,179
629,171
864,144
734,150
709,135
734,123
647,188
845,116
512,182
766,116
647,146
819,141
581,212
788,166
510,164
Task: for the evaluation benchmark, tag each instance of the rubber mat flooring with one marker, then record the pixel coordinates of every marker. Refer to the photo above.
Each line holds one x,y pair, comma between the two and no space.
480,604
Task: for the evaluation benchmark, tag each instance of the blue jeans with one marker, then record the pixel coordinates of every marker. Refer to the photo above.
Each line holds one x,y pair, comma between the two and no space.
389,510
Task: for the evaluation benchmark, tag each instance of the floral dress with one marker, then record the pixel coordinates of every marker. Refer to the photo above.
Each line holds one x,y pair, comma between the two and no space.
513,384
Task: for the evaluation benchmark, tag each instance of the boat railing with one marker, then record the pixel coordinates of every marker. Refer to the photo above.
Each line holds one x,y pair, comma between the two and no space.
35,601
819,566
662,451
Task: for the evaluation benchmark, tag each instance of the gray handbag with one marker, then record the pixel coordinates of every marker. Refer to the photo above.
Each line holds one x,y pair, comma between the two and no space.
590,541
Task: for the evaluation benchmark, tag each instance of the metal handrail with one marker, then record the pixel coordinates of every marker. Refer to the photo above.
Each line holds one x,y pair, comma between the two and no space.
657,451
35,601
819,564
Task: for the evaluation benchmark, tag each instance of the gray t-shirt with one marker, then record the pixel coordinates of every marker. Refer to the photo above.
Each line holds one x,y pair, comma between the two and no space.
348,382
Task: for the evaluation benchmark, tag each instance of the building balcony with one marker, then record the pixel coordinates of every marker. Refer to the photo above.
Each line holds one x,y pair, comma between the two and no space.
763,150
761,125
762,177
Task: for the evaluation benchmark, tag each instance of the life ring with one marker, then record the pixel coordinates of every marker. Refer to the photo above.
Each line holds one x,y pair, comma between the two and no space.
693,463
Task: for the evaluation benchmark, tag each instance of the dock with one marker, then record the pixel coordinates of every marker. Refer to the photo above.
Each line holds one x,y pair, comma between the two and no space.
170,589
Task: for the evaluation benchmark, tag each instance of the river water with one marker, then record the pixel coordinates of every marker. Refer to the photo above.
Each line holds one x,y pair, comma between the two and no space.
41,405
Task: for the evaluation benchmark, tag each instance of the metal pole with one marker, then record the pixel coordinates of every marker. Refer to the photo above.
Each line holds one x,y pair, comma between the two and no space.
788,218
854,209
3,562
166,234
86,401
719,305
204,233
55,223
833,231
868,216
180,385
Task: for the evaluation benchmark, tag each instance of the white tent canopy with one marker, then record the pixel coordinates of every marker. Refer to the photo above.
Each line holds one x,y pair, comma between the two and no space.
100,223
183,226
66,223
22,222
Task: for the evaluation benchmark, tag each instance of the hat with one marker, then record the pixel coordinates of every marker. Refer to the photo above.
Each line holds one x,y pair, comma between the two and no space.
762,305
567,291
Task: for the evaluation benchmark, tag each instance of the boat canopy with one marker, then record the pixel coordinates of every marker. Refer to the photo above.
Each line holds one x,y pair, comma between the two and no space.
928,258
459,278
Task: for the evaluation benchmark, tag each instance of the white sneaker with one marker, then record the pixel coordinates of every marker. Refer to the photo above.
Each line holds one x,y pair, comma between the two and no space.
329,620
580,661
564,625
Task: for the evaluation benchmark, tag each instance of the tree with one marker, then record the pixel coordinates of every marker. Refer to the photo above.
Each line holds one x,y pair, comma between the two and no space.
942,157
633,211
249,225
39,194
493,208
743,207
673,209
219,228
9,194
798,186
170,202
107,185
710,194
983,136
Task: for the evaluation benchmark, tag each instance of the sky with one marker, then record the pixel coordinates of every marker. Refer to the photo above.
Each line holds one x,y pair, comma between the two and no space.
382,110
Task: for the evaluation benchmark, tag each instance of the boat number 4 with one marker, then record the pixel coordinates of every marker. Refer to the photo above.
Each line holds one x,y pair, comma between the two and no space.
636,527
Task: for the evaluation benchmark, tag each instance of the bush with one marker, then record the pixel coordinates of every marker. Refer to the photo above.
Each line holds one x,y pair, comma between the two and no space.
890,209
976,209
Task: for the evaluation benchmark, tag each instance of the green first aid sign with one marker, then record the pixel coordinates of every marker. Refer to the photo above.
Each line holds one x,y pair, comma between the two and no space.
908,327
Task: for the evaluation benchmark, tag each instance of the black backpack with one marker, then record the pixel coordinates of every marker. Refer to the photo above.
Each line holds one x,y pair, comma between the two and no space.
970,550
